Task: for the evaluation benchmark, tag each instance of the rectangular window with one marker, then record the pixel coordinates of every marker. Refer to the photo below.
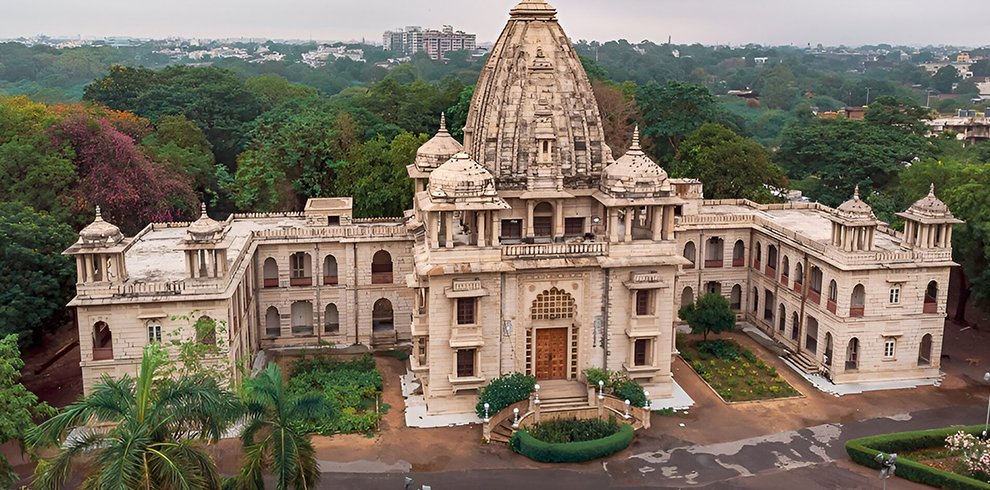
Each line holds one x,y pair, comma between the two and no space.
889,348
895,295
573,227
644,303
154,333
298,265
465,363
543,226
641,353
465,311
333,220
511,229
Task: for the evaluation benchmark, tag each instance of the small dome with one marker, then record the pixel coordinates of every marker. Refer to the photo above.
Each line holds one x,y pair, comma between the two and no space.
100,233
930,206
438,150
634,173
205,228
461,177
855,208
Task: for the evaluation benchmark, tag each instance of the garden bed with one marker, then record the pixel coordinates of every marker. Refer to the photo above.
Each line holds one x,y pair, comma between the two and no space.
572,440
733,372
352,388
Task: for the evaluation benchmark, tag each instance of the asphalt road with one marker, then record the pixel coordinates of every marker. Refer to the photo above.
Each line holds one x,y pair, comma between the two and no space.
808,459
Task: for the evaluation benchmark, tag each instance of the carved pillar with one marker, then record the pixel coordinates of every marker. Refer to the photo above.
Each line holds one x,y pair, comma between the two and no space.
629,224
448,232
480,218
529,219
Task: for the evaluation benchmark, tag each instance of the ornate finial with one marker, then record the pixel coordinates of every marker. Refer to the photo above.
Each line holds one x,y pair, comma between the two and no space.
931,190
635,140
99,216
856,192
202,209
443,122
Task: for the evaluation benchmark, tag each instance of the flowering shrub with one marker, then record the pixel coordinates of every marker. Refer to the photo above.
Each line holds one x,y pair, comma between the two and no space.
973,451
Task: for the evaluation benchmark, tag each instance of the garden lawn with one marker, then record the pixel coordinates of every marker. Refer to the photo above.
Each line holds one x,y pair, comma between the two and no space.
734,372
351,388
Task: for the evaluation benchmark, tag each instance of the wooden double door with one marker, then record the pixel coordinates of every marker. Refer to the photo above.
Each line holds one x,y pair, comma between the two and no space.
551,353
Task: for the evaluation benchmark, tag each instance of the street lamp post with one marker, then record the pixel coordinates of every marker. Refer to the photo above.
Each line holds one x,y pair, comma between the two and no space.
601,389
986,378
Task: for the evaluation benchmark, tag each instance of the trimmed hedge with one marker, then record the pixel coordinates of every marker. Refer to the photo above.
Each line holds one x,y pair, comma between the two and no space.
571,452
865,449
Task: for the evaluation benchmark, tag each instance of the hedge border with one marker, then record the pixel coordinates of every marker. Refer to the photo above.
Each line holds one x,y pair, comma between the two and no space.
865,449
571,452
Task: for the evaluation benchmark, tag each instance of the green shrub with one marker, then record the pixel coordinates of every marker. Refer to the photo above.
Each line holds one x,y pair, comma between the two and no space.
594,375
720,348
573,430
350,388
864,451
571,452
618,384
629,389
504,391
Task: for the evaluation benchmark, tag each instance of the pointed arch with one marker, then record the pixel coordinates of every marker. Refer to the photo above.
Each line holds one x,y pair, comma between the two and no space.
553,304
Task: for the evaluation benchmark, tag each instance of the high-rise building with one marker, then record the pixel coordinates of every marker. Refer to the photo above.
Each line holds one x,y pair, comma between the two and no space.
414,39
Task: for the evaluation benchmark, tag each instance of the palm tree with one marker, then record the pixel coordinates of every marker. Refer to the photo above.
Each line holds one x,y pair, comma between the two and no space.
151,435
271,436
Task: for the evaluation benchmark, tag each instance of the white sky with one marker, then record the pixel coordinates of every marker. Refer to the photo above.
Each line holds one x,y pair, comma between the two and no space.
798,22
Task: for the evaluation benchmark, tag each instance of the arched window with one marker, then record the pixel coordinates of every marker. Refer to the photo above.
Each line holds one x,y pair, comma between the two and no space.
273,323
714,250
382,319
735,297
768,302
772,260
757,255
925,351
300,269
271,273
833,291
330,270
689,253
815,288
302,318
644,302
381,268
206,330
931,298
798,275
795,326
852,354
811,335
687,296
553,304
782,318
543,220
102,342
857,304
331,319
828,349
739,254
785,269
756,299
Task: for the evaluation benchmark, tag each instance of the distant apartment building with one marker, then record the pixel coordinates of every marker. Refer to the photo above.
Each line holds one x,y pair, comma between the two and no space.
414,39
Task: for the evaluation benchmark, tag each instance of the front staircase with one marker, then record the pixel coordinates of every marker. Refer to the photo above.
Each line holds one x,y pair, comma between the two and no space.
803,362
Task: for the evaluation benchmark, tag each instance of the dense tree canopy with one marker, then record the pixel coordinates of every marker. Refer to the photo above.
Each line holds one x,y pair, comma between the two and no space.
673,110
730,166
20,406
711,313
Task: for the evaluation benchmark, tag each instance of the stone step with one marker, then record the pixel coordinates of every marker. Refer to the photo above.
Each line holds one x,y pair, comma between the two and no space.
806,364
565,399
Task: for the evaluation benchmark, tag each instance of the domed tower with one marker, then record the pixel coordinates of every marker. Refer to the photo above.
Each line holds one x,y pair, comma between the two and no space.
854,225
534,122
636,190
464,188
433,154
928,223
205,246
99,253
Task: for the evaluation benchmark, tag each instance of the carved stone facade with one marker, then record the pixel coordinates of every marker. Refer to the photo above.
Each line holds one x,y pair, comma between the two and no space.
529,249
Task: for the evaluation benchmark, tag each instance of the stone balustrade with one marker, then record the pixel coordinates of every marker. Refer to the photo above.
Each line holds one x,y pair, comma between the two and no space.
545,250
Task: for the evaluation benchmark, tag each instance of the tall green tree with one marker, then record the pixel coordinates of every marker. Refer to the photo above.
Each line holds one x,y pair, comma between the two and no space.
157,430
943,79
377,178
730,166
673,110
272,438
20,406
38,280
711,313
901,113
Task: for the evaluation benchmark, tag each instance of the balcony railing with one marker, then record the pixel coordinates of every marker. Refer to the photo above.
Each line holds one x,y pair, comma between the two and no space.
772,272
831,306
301,281
756,265
714,263
272,333
330,280
815,296
381,277
930,307
740,262
797,286
587,249
302,330
856,311
783,279
102,353
271,283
